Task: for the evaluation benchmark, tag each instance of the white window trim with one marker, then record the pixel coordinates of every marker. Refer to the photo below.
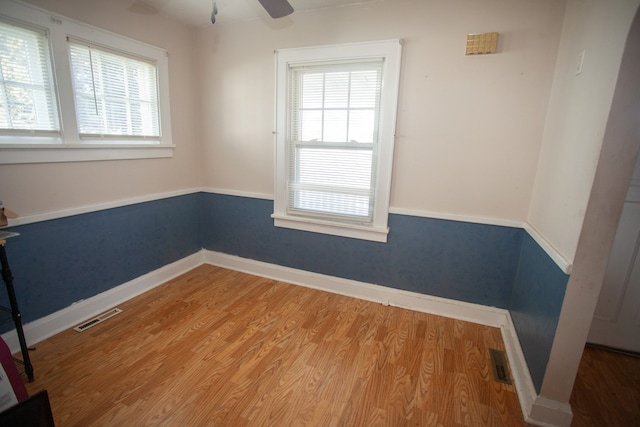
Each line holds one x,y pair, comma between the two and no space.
391,50
68,147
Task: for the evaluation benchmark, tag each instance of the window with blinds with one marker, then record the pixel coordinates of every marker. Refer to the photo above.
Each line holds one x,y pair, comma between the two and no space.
115,95
73,92
27,94
333,148
335,123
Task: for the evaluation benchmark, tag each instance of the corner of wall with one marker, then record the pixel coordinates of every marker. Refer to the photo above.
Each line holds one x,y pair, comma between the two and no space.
536,300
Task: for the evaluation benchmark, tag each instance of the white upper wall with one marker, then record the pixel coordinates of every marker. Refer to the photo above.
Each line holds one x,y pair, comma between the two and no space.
469,127
31,189
577,117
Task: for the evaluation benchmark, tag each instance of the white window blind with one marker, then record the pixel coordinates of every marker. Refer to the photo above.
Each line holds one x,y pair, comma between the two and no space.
27,94
115,94
333,149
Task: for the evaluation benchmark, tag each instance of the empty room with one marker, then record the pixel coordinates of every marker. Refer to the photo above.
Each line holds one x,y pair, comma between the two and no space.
305,212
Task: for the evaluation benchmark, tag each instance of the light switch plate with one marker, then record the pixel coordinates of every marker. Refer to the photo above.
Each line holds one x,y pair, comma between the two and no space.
480,44
580,62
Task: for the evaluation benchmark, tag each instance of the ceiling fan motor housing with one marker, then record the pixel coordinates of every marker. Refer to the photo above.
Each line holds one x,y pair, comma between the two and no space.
277,8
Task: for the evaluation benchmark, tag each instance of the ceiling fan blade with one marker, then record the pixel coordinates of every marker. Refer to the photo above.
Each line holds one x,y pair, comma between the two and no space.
277,8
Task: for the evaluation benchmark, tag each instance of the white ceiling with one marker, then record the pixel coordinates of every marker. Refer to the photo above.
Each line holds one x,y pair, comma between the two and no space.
198,12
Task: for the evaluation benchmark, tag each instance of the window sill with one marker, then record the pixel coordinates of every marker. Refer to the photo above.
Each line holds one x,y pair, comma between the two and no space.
20,154
335,229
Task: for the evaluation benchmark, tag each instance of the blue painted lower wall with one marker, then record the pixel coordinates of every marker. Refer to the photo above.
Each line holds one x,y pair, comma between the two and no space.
538,292
451,259
59,262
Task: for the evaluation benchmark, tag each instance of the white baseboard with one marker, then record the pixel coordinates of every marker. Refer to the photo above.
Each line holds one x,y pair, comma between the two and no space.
519,368
536,409
476,313
550,413
47,326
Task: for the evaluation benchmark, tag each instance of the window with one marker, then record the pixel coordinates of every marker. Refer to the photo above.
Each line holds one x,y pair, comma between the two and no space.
72,92
27,95
115,96
335,124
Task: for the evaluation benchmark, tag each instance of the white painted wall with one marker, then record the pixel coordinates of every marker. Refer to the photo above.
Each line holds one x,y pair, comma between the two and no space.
577,117
31,189
469,128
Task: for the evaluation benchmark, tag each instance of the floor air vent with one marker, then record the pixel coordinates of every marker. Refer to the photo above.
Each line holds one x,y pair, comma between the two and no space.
499,365
92,322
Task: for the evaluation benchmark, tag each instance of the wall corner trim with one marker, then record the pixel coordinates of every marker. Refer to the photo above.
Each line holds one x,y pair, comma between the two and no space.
502,222
237,193
30,219
562,262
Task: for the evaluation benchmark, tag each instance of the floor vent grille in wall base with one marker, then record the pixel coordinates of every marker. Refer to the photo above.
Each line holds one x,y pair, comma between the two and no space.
499,365
99,319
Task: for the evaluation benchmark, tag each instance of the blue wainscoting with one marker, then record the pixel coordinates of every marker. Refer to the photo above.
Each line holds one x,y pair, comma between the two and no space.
463,261
538,292
61,261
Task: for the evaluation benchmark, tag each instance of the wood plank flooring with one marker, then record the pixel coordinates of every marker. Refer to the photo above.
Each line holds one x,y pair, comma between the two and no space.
607,390
215,347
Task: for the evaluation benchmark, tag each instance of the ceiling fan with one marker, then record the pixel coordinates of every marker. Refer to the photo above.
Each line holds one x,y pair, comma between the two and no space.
275,8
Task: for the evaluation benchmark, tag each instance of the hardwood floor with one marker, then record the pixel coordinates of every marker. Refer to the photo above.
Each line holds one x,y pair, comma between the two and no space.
216,347
607,390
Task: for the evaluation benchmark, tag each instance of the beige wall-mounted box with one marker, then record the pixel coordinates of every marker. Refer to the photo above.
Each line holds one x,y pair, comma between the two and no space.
479,44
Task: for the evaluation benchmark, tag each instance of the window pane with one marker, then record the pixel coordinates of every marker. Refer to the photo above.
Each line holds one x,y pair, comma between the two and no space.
335,167
333,181
310,125
335,126
362,126
312,90
334,108
27,95
114,94
336,90
364,89
335,204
